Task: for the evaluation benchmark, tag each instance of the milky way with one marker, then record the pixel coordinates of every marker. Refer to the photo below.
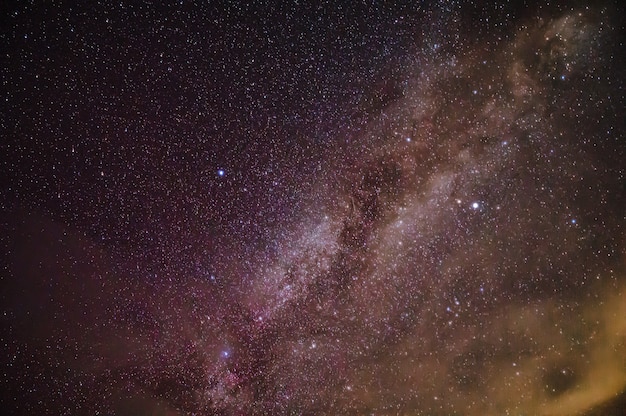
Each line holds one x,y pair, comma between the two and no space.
302,209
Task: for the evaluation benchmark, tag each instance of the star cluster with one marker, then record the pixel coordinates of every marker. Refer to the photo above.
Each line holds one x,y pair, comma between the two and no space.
313,208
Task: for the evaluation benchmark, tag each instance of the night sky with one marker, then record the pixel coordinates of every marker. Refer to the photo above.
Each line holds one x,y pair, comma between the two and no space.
313,208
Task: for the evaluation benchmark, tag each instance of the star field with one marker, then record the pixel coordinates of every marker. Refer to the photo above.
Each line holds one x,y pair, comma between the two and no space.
313,208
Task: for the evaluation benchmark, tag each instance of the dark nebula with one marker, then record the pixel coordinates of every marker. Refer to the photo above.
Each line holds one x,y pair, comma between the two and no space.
313,208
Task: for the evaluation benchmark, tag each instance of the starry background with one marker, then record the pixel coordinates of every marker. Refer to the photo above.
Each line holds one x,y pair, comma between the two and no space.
313,208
